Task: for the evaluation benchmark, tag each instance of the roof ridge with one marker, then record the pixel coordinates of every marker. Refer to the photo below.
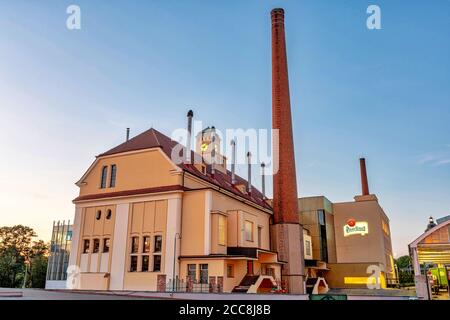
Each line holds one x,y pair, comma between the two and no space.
154,134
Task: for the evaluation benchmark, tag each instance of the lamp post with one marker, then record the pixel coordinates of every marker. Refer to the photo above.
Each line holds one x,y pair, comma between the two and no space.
177,236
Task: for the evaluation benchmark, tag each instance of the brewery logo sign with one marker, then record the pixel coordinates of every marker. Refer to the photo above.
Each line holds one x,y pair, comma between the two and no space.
356,227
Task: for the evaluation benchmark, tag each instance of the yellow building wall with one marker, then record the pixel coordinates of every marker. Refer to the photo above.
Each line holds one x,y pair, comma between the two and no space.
193,223
216,247
139,170
352,275
93,228
146,219
238,213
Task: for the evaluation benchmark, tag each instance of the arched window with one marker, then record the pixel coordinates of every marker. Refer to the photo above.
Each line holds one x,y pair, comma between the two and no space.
104,175
108,214
98,215
112,180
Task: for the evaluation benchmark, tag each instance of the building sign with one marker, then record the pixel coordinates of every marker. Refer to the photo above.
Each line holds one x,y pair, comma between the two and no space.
355,227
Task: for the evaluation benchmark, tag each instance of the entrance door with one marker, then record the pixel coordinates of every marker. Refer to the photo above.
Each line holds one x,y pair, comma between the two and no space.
250,267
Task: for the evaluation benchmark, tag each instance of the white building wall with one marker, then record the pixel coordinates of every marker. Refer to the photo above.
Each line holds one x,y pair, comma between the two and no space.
173,233
119,247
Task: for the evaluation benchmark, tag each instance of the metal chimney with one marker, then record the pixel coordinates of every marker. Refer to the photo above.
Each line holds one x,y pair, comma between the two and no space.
249,166
263,176
128,134
364,183
233,162
190,115
213,151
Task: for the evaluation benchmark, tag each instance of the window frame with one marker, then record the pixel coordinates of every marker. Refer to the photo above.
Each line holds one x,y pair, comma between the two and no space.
222,230
230,267
95,245
154,261
112,176
103,177
252,237
201,280
86,249
106,240
155,242
132,243
189,271
134,257
147,268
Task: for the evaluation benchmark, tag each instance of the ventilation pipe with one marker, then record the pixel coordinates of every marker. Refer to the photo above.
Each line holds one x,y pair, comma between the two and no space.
190,115
249,166
263,176
128,134
233,162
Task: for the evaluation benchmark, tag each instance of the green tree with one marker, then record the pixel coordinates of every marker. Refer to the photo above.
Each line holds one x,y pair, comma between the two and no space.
21,258
38,264
11,265
403,262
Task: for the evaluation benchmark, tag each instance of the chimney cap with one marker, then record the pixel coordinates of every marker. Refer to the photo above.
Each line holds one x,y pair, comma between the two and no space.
277,11
190,113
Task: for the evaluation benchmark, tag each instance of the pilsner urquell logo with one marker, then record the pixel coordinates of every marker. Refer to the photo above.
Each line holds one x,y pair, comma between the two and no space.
354,227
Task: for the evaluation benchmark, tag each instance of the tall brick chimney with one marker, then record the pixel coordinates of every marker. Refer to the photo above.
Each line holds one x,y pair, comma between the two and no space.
364,183
287,234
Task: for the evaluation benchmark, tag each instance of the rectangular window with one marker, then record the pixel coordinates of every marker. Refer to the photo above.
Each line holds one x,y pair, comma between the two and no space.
230,271
86,246
222,230
133,263
307,247
96,247
158,244
248,227
105,245
134,244
192,271
321,217
259,237
157,262
203,273
145,263
103,178
112,180
146,248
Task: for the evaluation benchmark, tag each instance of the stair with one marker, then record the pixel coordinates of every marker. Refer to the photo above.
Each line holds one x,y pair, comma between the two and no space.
245,284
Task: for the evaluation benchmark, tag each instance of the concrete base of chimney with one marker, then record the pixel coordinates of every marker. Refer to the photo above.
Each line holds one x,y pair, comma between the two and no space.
287,240
369,197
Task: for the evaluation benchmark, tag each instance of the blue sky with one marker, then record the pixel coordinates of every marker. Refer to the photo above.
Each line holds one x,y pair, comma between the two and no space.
66,96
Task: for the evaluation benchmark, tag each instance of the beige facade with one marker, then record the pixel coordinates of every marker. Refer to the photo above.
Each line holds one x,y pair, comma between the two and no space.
141,219
356,255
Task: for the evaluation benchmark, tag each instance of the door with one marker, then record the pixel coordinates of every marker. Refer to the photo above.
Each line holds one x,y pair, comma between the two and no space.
250,267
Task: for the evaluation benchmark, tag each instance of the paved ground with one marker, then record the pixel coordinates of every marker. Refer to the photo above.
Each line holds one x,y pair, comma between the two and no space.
37,294
375,292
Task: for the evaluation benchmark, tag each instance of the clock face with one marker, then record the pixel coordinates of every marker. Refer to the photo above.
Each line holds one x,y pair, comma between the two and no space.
204,147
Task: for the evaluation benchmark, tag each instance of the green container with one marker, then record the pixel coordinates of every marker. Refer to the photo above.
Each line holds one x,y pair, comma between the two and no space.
441,276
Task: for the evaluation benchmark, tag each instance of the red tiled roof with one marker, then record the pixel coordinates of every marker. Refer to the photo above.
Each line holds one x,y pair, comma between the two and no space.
152,138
